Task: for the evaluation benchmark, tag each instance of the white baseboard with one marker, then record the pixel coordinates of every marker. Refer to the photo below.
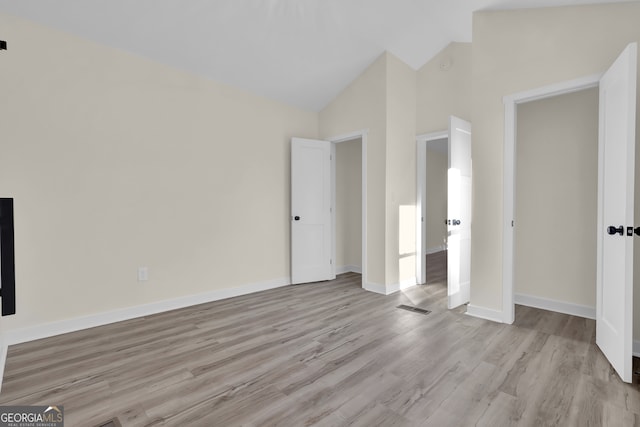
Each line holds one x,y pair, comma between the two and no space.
484,313
407,283
348,269
557,306
71,325
390,289
636,348
436,249
375,287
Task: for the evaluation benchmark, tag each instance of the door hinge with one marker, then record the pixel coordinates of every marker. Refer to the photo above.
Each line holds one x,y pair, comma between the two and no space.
330,261
512,222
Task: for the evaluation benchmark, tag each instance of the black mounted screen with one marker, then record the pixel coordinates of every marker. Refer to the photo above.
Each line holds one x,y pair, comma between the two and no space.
7,260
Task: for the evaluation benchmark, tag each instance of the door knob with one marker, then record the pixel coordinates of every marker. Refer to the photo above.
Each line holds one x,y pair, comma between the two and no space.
297,218
615,230
456,222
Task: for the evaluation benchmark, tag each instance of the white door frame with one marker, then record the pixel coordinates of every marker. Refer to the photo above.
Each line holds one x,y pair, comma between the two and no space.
421,200
362,134
509,190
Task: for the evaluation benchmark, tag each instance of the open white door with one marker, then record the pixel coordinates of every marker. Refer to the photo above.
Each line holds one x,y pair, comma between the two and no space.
310,211
616,168
459,213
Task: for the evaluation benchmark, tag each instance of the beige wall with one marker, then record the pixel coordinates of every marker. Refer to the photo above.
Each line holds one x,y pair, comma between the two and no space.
436,211
362,106
444,88
349,204
515,51
401,173
382,100
117,162
556,198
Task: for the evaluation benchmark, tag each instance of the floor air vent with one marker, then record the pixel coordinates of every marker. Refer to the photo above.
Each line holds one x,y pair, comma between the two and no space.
414,309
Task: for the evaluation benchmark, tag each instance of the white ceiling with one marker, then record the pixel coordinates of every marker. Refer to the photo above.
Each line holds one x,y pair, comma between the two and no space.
300,52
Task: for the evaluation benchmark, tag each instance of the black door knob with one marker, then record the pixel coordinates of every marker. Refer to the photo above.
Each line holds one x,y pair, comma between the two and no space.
615,230
456,222
297,218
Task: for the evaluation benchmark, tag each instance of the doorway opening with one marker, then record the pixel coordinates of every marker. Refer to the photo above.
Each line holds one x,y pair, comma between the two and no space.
509,177
556,199
347,193
350,139
428,241
437,161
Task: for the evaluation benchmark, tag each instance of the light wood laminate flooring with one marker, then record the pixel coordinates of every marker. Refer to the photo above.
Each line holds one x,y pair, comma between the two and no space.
326,354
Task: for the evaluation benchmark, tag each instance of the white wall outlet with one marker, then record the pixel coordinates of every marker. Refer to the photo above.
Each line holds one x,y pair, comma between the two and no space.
143,274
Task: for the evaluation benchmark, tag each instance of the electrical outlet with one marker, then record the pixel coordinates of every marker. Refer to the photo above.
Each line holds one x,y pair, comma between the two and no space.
143,274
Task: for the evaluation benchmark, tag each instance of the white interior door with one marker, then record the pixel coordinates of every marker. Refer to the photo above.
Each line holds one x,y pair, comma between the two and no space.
311,235
616,168
459,213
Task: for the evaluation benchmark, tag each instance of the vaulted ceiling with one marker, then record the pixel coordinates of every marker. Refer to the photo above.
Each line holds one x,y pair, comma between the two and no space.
300,52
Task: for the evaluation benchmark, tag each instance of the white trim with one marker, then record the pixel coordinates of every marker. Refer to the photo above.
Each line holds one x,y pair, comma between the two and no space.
556,89
333,210
421,204
433,136
484,313
579,310
364,261
31,333
348,136
348,269
436,249
374,287
390,289
362,134
509,167
405,284
636,348
508,215
421,199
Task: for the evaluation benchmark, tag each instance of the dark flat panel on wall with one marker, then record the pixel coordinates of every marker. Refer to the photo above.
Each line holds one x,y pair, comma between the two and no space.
7,260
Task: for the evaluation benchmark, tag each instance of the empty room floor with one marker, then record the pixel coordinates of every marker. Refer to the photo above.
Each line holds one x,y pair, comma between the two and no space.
326,354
